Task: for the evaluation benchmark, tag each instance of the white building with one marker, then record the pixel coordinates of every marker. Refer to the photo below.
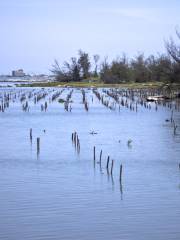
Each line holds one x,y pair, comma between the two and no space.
18,73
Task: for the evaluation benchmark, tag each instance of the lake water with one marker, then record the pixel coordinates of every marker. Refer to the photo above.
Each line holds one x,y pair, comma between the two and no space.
60,194
12,83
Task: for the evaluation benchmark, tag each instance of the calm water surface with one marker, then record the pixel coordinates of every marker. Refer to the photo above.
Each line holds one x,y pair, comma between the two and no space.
62,195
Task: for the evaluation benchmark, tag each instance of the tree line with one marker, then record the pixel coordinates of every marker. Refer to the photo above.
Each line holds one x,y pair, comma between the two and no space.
160,68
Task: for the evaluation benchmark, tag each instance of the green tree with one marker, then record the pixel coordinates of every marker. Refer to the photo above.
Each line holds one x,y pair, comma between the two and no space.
139,70
73,69
120,69
84,63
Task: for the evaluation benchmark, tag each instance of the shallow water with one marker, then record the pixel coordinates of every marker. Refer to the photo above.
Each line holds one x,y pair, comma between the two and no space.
60,194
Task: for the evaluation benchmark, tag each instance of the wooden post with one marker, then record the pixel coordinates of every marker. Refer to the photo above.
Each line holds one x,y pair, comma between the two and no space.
78,145
120,174
172,116
75,138
100,157
30,133
38,145
175,127
107,165
112,164
94,153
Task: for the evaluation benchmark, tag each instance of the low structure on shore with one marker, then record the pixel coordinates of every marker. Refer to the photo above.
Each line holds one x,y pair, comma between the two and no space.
18,73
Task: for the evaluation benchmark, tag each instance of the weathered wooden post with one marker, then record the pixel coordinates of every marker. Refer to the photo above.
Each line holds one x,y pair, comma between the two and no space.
172,116
112,164
107,165
45,106
78,145
75,138
38,145
120,174
30,134
94,153
175,127
100,157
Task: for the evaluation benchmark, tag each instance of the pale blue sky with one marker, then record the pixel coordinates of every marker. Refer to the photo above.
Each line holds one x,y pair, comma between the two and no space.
34,32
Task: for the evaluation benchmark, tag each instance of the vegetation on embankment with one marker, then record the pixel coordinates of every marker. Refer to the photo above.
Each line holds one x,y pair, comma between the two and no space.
164,67
153,71
132,85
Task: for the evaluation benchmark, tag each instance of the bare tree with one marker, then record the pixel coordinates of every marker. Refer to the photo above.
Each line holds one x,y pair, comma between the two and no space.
55,67
173,49
59,73
96,58
70,71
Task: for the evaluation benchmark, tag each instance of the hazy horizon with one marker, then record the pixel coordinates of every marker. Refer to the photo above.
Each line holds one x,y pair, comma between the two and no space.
34,33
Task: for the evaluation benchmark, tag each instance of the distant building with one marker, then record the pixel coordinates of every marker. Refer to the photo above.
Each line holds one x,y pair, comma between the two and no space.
18,73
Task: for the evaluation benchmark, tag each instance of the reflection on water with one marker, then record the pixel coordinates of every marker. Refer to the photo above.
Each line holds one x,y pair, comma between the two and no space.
53,192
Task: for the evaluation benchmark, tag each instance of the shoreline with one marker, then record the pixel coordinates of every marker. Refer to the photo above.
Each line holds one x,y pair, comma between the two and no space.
131,85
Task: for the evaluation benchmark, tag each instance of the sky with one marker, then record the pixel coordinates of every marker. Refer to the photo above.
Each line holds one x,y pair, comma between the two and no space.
35,32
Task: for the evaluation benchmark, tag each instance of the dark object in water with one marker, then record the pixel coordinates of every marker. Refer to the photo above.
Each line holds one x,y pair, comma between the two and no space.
92,132
61,100
156,98
167,120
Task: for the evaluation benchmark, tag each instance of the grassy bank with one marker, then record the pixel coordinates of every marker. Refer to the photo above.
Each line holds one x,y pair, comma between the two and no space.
97,85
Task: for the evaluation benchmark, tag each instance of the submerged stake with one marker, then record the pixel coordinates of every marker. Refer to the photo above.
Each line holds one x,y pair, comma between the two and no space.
94,153
30,133
38,145
107,165
100,157
112,164
120,173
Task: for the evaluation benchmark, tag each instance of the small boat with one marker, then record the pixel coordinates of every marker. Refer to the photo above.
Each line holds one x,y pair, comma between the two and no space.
156,98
